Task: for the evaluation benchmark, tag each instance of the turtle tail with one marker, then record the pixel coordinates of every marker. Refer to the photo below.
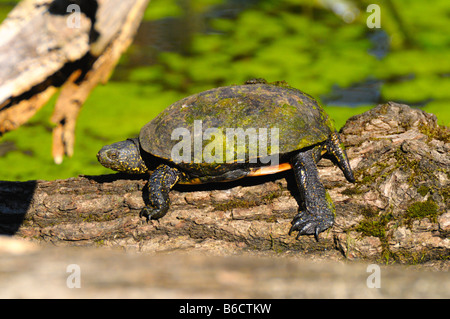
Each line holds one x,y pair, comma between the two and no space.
336,150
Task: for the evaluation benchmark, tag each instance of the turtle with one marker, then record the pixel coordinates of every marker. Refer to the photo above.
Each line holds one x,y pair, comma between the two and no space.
188,143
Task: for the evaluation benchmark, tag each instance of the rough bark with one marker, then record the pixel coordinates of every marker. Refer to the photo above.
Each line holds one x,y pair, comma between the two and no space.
51,44
398,211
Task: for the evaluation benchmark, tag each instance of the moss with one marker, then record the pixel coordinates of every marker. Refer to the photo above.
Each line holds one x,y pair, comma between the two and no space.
246,203
384,109
405,256
271,196
353,191
371,227
380,171
375,225
419,210
368,179
421,175
235,203
441,133
369,212
100,242
283,84
445,192
405,163
423,190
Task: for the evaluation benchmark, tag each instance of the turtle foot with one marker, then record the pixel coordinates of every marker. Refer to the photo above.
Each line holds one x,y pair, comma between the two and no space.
151,213
307,223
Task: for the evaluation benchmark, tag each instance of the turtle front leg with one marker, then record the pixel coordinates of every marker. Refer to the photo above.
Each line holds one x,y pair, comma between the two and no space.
319,209
160,183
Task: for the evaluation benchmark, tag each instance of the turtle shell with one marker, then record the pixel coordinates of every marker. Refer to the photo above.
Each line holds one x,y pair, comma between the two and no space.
282,112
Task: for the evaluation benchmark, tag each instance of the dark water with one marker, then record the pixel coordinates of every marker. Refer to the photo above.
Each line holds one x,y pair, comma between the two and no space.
174,35
368,91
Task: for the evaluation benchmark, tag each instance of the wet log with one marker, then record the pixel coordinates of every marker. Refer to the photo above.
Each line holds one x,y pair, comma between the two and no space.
398,211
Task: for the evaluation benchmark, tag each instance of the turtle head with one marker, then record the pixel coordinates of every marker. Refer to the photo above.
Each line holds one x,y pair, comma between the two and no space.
124,156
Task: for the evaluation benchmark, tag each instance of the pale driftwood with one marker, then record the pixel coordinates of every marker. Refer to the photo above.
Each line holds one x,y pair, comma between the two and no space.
45,44
30,271
398,211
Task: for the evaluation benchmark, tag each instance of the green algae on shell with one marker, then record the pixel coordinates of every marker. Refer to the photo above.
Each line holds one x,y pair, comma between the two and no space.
299,119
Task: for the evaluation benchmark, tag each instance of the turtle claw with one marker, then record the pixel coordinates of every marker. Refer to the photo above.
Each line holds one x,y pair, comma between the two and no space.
316,234
152,213
145,212
307,223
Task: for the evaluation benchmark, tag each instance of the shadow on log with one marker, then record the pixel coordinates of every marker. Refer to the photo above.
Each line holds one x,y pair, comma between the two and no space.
398,211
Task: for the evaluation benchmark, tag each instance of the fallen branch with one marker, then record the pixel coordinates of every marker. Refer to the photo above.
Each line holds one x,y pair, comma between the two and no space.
51,44
57,272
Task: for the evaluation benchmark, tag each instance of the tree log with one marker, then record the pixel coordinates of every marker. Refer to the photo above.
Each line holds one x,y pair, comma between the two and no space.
398,211
51,44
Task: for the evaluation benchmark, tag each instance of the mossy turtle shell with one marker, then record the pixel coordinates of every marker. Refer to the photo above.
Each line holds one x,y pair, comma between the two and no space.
300,120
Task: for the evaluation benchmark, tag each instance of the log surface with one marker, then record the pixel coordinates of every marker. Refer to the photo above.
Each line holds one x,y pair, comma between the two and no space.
397,212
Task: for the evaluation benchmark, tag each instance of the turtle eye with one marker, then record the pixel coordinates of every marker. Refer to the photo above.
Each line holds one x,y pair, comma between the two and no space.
113,155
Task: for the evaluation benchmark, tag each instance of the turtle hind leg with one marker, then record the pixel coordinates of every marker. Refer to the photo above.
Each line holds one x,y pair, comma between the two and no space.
318,212
336,150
